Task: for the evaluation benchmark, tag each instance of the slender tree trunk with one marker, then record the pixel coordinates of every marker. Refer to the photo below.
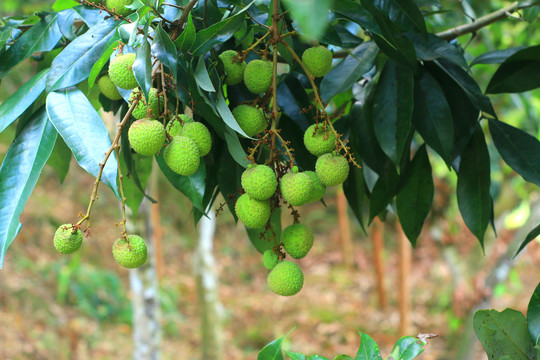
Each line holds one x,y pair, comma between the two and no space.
207,290
377,234
404,248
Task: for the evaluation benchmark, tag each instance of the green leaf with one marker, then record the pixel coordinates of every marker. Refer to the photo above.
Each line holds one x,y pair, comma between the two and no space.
142,67
343,357
520,72
392,109
404,13
533,316
21,99
496,56
317,357
349,70
203,79
43,36
191,186
435,47
235,148
414,200
263,239
533,234
84,132
19,174
503,334
164,49
227,116
407,348
74,63
518,149
473,185
295,355
353,11
368,350
112,43
60,159
311,16
432,116
355,192
272,351
187,37
384,190
141,168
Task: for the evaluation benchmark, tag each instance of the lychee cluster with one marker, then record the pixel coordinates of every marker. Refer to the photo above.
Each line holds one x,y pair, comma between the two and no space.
253,207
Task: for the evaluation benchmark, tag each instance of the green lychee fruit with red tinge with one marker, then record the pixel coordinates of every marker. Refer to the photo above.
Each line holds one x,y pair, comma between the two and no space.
270,259
296,187
320,141
130,252
259,181
182,156
121,71
67,239
258,76
297,240
318,60
234,70
252,213
146,136
250,119
155,104
108,89
332,169
199,133
286,279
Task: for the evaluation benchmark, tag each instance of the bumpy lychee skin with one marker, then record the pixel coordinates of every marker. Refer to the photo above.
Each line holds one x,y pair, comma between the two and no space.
252,213
176,122
233,69
108,89
131,252
146,136
200,134
121,71
66,240
155,104
259,181
318,60
297,240
318,187
182,156
270,259
286,279
319,142
332,169
119,6
250,119
258,76
296,187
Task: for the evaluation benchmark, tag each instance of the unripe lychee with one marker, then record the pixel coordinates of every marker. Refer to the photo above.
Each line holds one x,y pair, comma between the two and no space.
174,126
270,259
259,181
155,104
252,213
182,156
131,252
296,187
258,76
67,239
146,136
286,279
119,6
332,169
121,71
297,240
108,89
318,60
318,187
250,119
200,134
233,69
319,142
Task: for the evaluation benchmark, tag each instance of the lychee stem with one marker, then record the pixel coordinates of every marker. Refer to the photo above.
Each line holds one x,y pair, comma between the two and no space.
121,189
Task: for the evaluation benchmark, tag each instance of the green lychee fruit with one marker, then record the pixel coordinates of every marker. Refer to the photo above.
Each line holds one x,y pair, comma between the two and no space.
297,240
155,104
200,134
121,71
182,156
108,89
318,187
67,239
131,252
319,142
146,136
233,69
174,126
119,6
332,169
318,60
286,279
296,187
258,76
250,119
252,213
259,181
270,259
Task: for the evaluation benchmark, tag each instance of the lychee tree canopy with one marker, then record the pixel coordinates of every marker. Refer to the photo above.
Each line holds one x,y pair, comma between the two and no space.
400,91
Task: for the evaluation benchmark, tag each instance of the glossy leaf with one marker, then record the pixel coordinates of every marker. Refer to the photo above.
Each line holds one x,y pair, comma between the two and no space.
89,15
407,348
203,79
404,13
82,129
343,357
384,190
187,37
74,63
533,316
295,355
496,56
533,234
272,351
503,334
518,149
520,72
311,16
414,200
19,174
142,67
141,168
21,99
392,109
355,12
165,51
235,148
369,350
227,116
112,43
435,48
263,239
354,189
473,184
60,159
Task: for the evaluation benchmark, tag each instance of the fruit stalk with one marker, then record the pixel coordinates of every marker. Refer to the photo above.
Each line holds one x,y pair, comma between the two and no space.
121,189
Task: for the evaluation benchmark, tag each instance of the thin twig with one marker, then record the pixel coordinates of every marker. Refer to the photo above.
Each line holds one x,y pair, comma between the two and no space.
179,24
121,189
